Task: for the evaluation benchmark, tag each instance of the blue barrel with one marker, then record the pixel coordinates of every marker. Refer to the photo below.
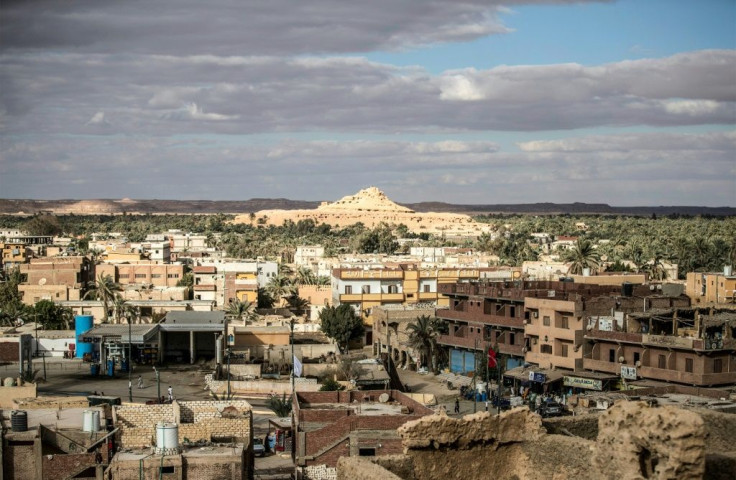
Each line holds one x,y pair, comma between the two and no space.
111,368
82,323
124,364
484,396
94,369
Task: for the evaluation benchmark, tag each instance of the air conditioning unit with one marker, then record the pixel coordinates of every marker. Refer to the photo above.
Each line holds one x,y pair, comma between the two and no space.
621,359
524,350
638,363
535,314
527,321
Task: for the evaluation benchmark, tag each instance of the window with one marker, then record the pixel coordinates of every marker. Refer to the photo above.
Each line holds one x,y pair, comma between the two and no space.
140,275
512,337
612,355
662,362
546,349
393,289
564,323
348,289
427,289
689,365
564,350
169,469
157,275
636,357
173,275
366,452
123,275
545,320
365,289
717,365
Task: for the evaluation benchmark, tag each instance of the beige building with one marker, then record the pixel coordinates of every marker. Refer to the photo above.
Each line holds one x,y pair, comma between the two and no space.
155,274
55,278
711,287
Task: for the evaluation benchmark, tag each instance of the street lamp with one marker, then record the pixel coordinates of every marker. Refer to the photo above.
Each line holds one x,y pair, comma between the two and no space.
291,340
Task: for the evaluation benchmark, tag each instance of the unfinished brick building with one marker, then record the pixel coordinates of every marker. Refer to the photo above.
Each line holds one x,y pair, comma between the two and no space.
330,425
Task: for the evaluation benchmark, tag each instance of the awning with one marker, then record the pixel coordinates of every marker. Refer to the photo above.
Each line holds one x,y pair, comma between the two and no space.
534,374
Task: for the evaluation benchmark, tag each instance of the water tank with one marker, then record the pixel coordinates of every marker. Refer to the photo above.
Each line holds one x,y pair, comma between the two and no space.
586,272
19,421
82,323
91,421
9,382
727,270
167,438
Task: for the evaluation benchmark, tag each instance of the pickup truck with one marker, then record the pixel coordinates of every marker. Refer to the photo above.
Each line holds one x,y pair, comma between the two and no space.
551,409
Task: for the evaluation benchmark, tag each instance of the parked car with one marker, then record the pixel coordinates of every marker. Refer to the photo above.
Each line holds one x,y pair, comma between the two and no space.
505,403
258,448
551,409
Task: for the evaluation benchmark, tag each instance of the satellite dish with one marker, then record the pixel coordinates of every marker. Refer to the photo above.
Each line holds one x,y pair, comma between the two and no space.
383,398
42,281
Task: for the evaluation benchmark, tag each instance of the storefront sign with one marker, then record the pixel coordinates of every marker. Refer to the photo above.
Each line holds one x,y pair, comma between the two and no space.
628,373
537,377
579,382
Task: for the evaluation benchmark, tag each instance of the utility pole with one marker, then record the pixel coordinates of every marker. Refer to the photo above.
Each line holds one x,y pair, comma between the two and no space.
227,351
475,375
130,358
291,340
158,385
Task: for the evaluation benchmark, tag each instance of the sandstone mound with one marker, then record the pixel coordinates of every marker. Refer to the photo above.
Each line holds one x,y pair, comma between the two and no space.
371,206
369,199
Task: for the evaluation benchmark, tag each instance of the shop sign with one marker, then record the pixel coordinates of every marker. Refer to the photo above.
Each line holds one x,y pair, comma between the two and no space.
628,373
579,382
537,377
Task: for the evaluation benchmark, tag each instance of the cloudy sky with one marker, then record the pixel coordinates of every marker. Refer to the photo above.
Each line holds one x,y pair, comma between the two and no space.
467,101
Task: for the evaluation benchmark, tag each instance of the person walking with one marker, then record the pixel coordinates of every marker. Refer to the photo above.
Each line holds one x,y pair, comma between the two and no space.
140,381
171,393
457,405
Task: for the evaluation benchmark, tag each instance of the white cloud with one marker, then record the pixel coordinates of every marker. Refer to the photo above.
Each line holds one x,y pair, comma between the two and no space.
98,119
691,107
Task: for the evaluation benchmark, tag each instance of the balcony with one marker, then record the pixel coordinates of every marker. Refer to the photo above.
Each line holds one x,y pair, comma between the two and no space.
614,336
601,366
480,317
465,342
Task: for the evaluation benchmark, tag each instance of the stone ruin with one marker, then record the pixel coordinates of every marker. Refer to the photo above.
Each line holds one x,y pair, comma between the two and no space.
633,441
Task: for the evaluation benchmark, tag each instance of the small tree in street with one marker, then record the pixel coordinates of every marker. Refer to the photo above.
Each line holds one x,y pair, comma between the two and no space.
341,324
281,406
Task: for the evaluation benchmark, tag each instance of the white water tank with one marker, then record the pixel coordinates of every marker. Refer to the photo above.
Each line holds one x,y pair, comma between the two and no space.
167,438
91,421
727,270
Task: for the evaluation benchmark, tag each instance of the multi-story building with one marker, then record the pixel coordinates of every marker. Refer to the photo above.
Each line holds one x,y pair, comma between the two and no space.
482,315
694,346
55,278
156,274
224,282
719,287
14,254
390,334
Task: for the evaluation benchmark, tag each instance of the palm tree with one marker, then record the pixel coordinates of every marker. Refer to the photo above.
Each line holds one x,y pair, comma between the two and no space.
297,304
103,289
581,256
279,287
423,335
305,276
280,406
241,310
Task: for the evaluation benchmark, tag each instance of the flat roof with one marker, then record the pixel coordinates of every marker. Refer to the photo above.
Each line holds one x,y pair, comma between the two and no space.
189,320
359,408
139,333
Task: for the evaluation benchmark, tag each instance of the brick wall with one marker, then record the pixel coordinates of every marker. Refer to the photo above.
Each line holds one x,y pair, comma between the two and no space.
59,467
9,351
201,420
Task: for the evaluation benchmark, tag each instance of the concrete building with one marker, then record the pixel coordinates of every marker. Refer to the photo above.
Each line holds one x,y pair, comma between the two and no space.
227,281
719,287
188,336
694,346
330,425
14,255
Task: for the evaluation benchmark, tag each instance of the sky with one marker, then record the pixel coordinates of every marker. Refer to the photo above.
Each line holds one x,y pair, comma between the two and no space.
624,102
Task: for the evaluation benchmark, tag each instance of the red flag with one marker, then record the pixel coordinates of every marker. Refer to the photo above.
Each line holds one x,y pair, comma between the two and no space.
491,358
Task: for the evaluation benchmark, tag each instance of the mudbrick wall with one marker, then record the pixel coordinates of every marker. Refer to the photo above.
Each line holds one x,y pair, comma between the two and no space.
198,421
59,467
634,441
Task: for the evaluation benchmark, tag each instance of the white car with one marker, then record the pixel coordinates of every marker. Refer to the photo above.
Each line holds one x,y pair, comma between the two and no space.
258,448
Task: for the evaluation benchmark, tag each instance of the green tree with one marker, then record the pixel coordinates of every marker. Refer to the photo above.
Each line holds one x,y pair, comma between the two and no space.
423,334
581,256
280,287
297,304
52,316
281,406
103,289
331,385
305,276
342,324
241,310
11,305
379,240
43,225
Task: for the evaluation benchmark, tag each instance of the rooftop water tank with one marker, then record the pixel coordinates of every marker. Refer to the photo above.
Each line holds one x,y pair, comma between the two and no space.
82,323
167,438
19,421
91,421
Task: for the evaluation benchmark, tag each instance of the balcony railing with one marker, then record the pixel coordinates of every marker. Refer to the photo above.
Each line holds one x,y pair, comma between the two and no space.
479,317
615,336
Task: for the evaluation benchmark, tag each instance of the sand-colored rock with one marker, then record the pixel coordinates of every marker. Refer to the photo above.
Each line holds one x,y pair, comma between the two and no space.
371,206
517,425
635,441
